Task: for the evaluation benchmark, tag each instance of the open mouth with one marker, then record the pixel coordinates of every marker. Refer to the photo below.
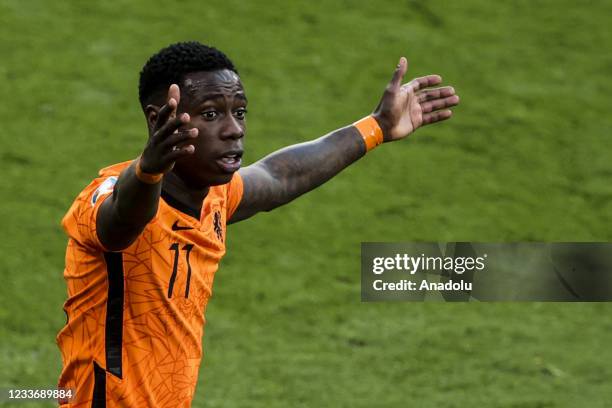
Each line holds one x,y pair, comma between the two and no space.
230,161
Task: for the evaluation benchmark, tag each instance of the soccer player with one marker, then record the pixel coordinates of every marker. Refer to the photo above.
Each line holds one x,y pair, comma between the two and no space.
147,235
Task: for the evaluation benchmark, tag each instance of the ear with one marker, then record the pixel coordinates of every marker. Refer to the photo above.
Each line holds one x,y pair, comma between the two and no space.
151,112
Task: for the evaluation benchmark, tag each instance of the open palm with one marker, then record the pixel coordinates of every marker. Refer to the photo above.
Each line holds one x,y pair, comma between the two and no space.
405,108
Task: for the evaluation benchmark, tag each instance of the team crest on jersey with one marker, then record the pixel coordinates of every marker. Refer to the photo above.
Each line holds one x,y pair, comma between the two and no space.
217,225
104,188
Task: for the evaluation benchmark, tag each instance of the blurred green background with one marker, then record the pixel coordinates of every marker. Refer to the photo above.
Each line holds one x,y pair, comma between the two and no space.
525,157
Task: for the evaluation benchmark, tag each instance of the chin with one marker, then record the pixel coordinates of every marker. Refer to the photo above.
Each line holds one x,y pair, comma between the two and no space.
204,177
214,179
221,179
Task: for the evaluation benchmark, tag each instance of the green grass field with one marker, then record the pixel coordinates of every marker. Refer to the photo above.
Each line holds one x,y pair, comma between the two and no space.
525,158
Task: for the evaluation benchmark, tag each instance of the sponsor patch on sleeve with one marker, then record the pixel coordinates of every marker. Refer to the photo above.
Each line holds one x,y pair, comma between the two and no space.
104,188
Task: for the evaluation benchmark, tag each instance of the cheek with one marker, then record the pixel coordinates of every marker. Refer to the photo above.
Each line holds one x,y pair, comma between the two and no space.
206,152
204,140
202,147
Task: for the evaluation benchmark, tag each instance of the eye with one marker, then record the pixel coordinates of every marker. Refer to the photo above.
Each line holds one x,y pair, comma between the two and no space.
240,113
210,115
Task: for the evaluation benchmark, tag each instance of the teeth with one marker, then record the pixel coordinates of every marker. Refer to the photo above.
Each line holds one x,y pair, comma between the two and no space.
230,159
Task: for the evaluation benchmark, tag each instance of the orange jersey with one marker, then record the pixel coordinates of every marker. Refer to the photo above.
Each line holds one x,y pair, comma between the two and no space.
136,317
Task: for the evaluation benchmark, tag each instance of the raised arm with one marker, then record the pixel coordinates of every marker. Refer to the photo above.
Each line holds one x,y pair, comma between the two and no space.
292,171
135,198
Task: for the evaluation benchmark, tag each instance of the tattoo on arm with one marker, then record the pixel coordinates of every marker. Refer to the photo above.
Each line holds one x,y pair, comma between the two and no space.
294,170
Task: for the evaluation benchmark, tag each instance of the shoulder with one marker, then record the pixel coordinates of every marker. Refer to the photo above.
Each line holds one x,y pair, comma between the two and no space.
114,169
79,220
230,193
233,187
103,184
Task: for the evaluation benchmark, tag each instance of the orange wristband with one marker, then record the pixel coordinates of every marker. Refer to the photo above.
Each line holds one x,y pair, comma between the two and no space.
370,131
147,178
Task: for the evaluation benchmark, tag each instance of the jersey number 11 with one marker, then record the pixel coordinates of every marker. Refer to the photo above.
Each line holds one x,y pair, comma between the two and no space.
187,248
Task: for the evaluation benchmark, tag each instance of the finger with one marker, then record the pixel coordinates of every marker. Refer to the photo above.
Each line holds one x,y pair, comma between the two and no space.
440,103
436,116
435,93
179,137
170,127
398,74
164,113
423,82
180,152
174,92
169,109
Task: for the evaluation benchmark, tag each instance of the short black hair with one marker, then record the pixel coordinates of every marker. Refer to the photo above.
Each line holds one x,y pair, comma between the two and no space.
171,64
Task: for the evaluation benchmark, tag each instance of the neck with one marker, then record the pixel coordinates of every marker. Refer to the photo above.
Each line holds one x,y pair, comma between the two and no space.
182,192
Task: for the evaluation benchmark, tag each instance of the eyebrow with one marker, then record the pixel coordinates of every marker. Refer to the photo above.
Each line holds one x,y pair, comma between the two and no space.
211,96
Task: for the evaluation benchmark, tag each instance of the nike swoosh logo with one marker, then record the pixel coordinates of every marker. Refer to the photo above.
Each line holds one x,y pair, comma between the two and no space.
176,227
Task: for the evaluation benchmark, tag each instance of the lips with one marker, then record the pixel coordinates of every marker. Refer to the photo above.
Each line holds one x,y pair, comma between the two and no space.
230,161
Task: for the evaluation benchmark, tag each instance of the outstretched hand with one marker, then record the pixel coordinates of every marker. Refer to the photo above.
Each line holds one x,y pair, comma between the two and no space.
405,108
168,143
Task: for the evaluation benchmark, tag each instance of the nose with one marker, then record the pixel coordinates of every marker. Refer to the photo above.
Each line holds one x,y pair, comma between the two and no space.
232,128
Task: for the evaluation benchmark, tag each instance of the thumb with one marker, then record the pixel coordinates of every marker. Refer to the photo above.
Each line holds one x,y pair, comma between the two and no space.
398,74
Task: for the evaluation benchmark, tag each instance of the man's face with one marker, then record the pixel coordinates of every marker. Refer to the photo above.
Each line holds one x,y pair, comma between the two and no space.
216,103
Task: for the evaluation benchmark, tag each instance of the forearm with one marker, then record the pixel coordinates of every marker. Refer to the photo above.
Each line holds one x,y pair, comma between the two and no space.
294,170
123,216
